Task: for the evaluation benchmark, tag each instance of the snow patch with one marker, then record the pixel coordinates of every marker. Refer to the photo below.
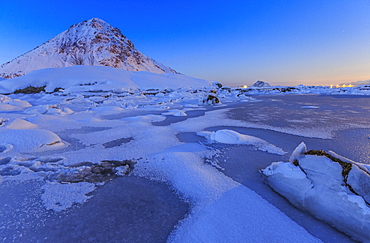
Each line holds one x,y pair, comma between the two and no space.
59,197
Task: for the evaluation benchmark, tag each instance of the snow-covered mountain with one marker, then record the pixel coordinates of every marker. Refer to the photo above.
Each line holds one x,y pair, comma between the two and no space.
261,84
92,42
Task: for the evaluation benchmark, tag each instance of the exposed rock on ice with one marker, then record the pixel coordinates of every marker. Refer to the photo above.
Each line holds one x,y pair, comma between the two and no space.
106,170
211,100
331,189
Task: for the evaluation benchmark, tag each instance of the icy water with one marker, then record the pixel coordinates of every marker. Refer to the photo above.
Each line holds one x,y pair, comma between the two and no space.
297,112
346,118
127,209
293,113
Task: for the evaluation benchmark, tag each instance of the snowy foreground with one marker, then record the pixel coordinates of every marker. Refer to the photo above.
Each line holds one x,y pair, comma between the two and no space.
104,125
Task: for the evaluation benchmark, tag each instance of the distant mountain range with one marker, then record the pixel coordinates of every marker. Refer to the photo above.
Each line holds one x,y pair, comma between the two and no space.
92,42
362,82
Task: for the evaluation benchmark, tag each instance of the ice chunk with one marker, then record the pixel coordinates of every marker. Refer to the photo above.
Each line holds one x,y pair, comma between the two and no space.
318,184
298,151
232,137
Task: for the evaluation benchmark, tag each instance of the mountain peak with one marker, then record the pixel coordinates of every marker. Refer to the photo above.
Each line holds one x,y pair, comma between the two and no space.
91,42
96,20
94,23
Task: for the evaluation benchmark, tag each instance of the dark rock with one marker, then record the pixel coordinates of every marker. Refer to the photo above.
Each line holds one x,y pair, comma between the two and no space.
30,90
211,99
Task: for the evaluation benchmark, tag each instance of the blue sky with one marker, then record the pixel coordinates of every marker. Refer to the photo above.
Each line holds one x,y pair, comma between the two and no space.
234,42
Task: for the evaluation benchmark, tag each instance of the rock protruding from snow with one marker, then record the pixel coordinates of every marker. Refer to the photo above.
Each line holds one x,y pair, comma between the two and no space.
261,84
92,42
331,189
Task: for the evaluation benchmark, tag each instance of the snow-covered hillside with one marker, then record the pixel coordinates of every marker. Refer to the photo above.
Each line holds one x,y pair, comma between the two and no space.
94,78
91,42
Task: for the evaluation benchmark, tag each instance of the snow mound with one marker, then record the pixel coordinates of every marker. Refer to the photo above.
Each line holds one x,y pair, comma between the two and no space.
21,124
29,140
8,104
98,78
331,189
232,137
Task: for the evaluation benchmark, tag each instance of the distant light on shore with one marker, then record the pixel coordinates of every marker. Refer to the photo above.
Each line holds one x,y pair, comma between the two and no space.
341,86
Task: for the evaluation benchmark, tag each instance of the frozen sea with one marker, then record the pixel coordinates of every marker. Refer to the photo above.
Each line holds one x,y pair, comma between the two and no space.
139,209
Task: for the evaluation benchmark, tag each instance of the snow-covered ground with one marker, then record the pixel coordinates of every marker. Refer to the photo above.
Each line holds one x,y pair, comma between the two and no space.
60,151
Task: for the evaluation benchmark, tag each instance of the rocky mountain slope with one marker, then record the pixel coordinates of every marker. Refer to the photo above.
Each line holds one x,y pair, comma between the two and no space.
92,42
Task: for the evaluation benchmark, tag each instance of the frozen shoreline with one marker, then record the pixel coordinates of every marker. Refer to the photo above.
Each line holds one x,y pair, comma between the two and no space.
90,129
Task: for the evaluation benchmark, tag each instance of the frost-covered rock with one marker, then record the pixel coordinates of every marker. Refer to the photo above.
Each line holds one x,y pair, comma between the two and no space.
334,190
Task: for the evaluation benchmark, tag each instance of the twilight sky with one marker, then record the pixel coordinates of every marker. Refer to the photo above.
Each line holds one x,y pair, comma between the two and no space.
235,42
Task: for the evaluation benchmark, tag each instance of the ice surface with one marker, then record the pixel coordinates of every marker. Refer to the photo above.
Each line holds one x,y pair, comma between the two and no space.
286,115
59,197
